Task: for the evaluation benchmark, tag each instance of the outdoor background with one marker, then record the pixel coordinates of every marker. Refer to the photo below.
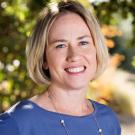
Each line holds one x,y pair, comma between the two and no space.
116,87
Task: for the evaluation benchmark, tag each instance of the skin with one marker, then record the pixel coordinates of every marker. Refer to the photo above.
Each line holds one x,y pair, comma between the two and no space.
70,45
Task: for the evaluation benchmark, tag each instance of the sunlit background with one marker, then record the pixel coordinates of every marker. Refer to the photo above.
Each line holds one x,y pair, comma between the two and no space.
116,87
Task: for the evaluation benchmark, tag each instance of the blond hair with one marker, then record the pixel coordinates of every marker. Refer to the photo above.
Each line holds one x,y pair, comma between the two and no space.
36,46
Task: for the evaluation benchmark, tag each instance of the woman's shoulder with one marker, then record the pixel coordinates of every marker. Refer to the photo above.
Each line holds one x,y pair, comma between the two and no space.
22,114
105,113
19,112
8,125
102,108
19,115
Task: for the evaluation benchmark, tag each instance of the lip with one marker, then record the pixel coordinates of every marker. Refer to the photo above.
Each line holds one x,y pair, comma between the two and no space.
75,72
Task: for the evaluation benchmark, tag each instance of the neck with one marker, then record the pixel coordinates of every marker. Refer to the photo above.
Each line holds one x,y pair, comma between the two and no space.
70,101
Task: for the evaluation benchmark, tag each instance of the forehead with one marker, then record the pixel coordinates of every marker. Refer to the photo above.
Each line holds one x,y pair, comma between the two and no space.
68,23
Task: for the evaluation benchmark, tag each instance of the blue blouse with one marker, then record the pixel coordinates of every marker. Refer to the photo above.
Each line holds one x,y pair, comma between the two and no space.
27,118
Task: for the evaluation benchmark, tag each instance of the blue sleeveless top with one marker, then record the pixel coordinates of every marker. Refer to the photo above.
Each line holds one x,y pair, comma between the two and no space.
27,118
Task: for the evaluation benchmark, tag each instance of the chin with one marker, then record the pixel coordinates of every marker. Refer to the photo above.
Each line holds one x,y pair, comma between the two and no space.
77,86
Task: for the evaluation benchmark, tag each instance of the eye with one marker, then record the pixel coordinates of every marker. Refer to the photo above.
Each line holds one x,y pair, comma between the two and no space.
60,46
84,43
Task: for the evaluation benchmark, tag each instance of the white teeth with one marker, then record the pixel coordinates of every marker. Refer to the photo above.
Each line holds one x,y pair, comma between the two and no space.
75,70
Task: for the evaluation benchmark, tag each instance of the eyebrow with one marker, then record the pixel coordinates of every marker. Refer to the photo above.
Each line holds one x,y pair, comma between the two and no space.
58,40
63,40
85,36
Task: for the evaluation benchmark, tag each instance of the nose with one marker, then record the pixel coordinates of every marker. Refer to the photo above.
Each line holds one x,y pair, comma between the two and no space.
73,54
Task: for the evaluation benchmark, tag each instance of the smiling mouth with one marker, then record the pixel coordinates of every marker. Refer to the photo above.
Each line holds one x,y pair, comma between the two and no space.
75,70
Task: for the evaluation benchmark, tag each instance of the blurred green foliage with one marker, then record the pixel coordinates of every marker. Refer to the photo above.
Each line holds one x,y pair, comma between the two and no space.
17,17
16,21
113,12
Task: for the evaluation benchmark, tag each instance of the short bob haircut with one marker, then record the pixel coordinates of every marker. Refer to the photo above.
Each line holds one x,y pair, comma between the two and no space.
36,46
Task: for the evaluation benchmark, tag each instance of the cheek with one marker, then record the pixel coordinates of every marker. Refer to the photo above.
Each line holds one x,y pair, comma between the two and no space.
91,52
54,60
92,57
93,60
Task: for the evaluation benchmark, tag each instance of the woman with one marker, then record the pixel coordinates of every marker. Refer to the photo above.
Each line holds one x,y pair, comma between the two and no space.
66,51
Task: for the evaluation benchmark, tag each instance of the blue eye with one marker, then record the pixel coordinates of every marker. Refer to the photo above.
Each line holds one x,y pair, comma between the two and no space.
60,46
84,43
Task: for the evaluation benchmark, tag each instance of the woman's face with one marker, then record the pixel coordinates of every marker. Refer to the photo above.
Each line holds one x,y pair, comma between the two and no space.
70,54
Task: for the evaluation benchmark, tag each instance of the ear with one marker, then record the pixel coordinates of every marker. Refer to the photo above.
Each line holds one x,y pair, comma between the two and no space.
45,65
